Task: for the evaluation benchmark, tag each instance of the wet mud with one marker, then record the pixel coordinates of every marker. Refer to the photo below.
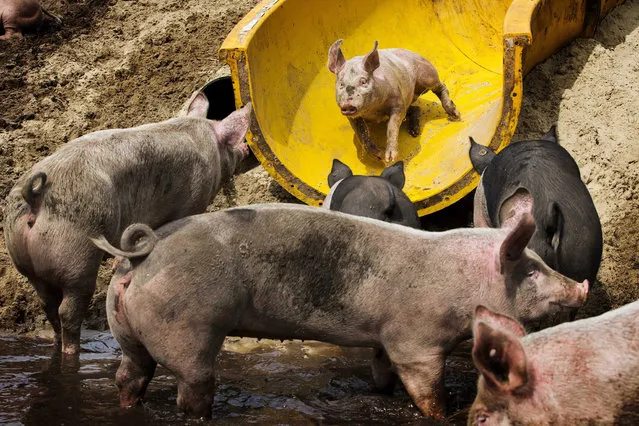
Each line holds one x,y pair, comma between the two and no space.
265,382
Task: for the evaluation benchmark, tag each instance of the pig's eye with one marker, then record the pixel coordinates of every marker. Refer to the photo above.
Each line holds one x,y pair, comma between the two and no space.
532,273
363,81
341,86
481,419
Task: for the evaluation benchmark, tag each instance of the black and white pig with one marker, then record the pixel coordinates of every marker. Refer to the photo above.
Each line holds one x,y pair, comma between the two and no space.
541,178
288,271
378,197
101,183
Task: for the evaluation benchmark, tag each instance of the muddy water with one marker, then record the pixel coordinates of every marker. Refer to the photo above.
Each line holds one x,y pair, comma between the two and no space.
269,382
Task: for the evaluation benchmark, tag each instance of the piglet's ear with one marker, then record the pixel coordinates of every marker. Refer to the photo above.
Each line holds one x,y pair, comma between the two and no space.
499,356
232,130
515,243
395,174
497,320
197,105
371,60
335,57
338,172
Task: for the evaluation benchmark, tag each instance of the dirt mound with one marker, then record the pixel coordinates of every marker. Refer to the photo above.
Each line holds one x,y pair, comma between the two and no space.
122,63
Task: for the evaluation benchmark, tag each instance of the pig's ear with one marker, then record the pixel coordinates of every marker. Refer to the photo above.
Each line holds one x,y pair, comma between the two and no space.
555,226
335,57
371,60
551,135
515,243
480,156
499,356
338,172
395,174
514,207
197,105
497,320
232,130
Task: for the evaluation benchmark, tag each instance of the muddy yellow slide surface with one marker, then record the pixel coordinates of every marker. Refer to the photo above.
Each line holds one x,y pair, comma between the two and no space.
481,48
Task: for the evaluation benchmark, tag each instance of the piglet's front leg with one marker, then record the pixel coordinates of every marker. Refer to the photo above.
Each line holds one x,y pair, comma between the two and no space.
361,130
392,133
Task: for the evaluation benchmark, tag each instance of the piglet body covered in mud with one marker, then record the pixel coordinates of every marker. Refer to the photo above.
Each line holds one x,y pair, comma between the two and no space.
382,86
580,373
102,182
287,271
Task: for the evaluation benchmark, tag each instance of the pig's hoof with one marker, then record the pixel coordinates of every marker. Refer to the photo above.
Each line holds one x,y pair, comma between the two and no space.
455,116
391,155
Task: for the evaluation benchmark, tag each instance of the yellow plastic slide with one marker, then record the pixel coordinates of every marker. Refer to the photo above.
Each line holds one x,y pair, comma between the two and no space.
481,48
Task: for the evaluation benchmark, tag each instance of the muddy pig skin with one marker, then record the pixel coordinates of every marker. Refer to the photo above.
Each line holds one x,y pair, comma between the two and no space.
378,197
18,16
382,86
102,182
580,373
541,178
299,272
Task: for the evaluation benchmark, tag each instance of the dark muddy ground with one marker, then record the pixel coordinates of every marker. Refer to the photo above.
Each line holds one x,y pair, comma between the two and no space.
269,382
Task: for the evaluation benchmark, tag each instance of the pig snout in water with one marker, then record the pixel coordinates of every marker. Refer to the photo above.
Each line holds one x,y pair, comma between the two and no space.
579,373
539,177
378,197
288,271
384,83
96,184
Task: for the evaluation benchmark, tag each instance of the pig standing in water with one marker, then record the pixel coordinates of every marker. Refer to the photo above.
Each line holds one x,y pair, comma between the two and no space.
383,85
18,16
101,183
580,373
378,197
539,177
286,271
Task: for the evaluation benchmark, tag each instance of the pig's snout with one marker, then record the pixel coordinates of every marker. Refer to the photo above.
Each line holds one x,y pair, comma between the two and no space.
577,297
348,109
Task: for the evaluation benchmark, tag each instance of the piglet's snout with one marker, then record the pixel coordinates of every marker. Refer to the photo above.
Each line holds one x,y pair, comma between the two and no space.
348,109
576,294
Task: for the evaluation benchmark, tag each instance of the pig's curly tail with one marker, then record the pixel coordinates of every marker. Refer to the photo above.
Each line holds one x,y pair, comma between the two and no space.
138,240
34,188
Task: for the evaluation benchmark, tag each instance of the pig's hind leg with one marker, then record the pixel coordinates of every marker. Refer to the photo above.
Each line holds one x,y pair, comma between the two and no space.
51,298
449,106
135,372
196,375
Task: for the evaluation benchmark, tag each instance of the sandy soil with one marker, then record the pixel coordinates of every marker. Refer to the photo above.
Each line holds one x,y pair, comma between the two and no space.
123,63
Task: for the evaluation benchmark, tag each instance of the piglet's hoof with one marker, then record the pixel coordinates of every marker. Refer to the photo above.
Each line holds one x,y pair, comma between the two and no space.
455,116
391,155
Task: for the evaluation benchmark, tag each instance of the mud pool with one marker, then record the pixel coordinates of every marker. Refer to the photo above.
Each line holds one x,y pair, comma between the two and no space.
266,382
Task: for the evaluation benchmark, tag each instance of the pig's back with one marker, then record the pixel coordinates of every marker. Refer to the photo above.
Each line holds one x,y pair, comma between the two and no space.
592,363
109,175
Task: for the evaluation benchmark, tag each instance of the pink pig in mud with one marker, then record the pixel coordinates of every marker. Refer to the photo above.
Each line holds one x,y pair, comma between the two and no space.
18,16
287,271
580,373
101,183
383,85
